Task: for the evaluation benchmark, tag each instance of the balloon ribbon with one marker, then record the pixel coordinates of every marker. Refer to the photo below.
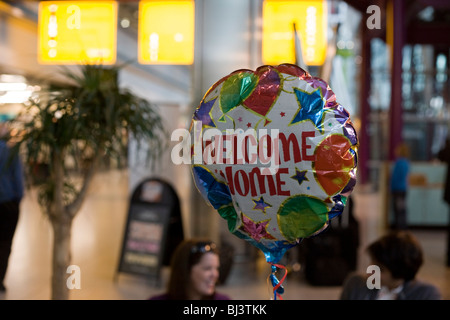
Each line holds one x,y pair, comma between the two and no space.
278,289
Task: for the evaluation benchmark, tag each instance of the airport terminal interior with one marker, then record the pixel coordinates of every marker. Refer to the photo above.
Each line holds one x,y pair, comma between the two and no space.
386,61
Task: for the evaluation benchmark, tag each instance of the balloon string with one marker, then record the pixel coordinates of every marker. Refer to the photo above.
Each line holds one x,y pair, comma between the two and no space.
280,282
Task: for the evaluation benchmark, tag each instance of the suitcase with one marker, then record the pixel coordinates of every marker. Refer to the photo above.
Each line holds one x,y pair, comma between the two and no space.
330,256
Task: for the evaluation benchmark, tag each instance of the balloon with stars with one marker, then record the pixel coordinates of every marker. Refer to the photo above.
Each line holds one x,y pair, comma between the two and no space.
278,155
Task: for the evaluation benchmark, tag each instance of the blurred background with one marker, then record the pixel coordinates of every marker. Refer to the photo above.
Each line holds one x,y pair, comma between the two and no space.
387,62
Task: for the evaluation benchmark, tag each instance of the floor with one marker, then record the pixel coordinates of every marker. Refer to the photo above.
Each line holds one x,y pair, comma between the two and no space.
97,238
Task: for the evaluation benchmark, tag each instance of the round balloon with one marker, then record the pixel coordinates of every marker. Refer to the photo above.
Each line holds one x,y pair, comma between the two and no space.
275,154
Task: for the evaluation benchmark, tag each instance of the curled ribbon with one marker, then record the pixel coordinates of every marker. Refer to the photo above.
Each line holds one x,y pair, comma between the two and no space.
278,289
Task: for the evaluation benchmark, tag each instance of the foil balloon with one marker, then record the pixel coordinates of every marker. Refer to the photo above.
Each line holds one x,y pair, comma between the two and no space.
275,154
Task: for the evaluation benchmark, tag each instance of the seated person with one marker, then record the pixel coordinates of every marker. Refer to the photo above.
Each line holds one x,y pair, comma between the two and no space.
399,257
194,272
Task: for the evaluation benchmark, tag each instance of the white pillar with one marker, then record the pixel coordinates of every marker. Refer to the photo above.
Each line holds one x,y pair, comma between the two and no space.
227,38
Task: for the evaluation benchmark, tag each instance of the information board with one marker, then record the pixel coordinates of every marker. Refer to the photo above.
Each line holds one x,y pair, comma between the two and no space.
278,37
77,32
166,32
153,229
144,241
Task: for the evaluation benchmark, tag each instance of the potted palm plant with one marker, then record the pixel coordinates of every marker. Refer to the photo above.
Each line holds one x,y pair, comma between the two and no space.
85,123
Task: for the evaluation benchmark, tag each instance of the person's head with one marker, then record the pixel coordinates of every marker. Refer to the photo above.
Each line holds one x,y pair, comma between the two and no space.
402,150
4,129
194,270
399,256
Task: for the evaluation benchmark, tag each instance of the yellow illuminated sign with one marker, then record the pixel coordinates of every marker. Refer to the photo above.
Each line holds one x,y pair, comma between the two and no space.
166,32
77,32
278,42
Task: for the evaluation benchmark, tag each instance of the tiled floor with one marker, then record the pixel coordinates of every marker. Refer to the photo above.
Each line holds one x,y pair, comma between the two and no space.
97,239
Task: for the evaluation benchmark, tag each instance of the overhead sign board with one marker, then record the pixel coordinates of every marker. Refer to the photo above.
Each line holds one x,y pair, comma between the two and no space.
77,32
166,32
310,21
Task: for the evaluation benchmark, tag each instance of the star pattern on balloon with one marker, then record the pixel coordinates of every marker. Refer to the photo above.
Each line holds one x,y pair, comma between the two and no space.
261,205
203,113
256,230
300,176
310,108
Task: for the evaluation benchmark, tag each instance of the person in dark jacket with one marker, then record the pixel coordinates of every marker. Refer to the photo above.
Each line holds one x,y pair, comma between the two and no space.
444,156
399,256
11,193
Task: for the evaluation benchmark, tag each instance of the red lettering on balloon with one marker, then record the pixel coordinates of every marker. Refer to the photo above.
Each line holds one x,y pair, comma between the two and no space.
255,182
229,174
291,140
265,151
305,146
281,182
262,186
238,184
